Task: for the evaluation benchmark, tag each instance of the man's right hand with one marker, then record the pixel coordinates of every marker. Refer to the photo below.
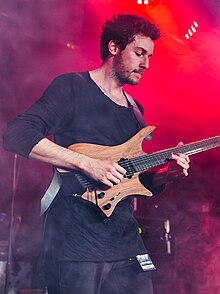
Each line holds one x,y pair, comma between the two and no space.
104,171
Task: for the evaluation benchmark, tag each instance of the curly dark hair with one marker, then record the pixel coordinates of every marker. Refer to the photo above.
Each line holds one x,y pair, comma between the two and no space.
122,29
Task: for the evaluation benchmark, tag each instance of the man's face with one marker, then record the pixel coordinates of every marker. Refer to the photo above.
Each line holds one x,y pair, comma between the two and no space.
130,64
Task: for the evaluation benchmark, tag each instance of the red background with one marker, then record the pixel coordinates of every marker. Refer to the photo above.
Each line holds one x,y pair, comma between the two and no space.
180,95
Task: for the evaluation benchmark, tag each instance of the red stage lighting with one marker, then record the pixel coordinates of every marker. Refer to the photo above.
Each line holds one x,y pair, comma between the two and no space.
142,2
192,30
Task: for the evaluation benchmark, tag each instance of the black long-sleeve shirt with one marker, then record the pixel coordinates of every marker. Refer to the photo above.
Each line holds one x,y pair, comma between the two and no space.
75,110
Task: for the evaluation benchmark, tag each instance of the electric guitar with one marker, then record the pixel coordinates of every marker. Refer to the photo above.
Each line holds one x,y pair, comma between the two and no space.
131,157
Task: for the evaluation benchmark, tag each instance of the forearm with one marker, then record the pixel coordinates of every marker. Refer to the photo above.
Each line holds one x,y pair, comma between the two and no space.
105,171
49,152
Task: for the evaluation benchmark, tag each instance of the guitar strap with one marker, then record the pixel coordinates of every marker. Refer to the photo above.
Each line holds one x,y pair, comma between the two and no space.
138,115
51,192
56,182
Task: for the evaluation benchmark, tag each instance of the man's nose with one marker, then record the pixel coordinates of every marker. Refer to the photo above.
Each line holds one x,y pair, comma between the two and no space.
145,63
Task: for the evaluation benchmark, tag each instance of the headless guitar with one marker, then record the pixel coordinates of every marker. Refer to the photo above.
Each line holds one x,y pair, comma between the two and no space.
131,157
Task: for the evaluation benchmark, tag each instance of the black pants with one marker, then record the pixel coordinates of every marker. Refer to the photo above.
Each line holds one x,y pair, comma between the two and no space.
122,277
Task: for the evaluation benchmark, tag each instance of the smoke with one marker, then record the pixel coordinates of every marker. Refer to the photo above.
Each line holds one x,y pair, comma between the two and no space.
180,95
33,50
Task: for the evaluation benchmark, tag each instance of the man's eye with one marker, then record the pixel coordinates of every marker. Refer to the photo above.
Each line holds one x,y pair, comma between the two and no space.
139,54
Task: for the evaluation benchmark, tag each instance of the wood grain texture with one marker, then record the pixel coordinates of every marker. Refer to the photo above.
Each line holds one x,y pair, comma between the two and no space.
131,148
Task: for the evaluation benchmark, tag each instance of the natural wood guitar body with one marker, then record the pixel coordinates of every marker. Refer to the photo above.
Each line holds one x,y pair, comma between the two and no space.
131,148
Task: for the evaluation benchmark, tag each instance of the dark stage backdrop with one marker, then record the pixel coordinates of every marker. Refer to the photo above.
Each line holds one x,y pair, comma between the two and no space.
180,94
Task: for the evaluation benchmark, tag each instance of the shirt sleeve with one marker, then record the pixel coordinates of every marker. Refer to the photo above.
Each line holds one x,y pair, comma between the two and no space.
146,179
46,116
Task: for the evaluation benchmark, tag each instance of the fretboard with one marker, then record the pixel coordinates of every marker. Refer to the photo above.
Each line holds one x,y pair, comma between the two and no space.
147,161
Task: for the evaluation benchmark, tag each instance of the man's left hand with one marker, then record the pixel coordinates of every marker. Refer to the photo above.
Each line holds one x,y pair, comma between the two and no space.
182,160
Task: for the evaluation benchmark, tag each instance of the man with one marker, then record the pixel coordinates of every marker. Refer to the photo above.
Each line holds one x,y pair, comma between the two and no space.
84,251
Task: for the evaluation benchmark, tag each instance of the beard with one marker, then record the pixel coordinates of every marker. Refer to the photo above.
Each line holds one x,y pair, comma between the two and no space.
122,74
126,79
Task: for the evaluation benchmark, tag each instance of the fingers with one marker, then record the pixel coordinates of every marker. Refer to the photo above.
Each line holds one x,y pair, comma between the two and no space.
182,160
106,172
114,175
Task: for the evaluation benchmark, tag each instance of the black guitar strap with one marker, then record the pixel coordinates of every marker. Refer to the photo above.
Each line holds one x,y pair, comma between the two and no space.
138,115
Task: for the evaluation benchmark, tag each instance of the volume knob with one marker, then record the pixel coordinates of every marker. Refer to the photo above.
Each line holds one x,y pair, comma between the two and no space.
101,195
107,206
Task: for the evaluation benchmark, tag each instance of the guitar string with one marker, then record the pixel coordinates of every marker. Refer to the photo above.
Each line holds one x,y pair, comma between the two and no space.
180,149
158,158
151,160
177,149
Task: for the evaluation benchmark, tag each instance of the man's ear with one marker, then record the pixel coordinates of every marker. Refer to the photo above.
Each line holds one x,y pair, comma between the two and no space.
113,48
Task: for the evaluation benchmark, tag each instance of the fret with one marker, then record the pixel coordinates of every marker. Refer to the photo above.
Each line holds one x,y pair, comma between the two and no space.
147,161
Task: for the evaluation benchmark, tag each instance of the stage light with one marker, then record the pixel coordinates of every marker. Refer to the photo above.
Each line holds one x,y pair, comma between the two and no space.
195,24
192,30
70,45
140,2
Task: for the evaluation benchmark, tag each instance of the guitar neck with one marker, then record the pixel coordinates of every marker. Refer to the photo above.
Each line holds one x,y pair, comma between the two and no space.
147,161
